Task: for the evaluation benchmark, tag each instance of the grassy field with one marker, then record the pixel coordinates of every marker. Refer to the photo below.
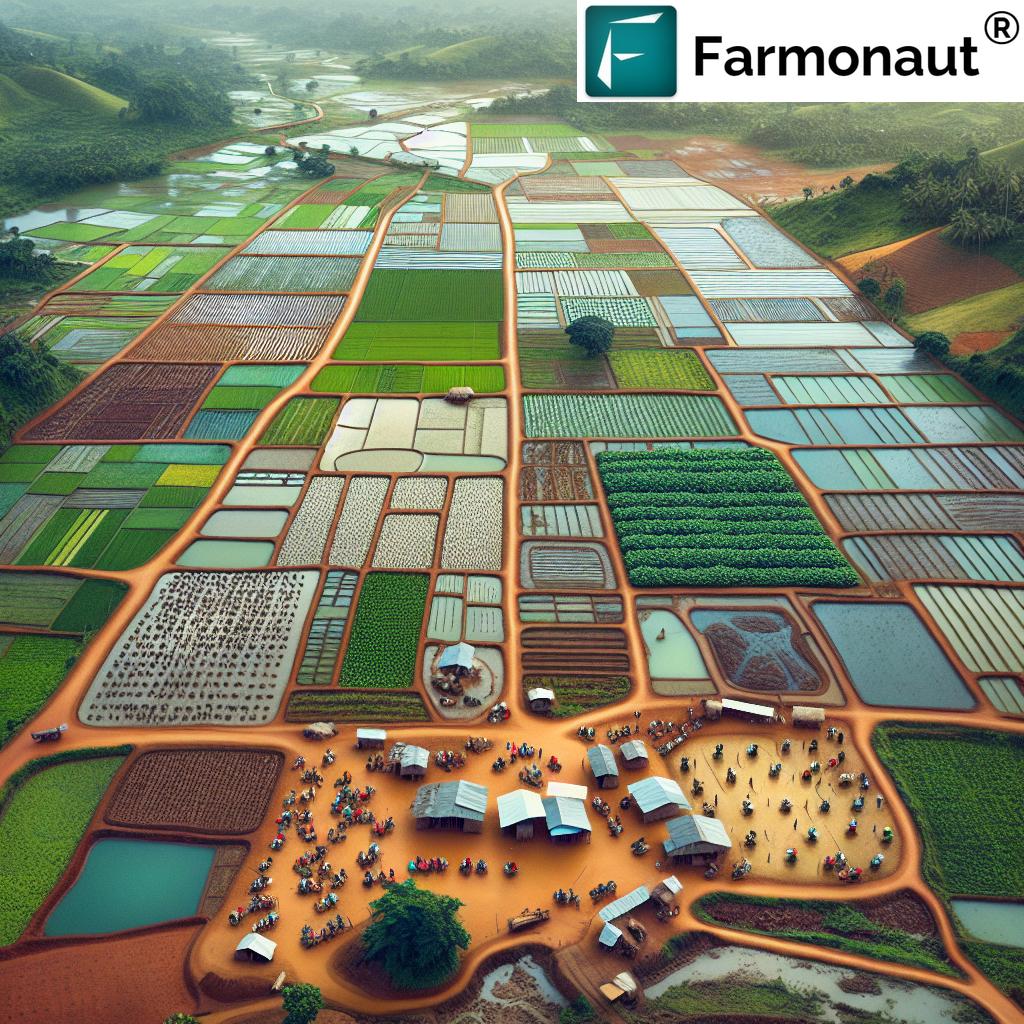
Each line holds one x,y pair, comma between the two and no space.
438,295
660,370
971,831
438,340
843,926
31,669
998,310
45,814
845,222
408,379
302,421
575,695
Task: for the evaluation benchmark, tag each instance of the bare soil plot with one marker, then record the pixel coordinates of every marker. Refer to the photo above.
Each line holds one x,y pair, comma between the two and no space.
571,649
172,342
217,792
555,471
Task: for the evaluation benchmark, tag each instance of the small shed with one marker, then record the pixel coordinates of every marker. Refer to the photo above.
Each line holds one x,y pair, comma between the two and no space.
622,988
255,947
451,806
634,754
695,839
567,789
540,699
625,904
657,797
409,760
713,710
744,709
602,764
371,739
665,892
809,718
456,660
319,731
566,819
609,937
519,811
460,395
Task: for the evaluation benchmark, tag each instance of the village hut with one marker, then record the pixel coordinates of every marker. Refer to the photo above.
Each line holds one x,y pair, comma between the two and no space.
540,699
609,937
759,713
625,904
634,755
809,718
255,947
664,894
566,819
519,812
459,395
603,766
408,760
371,739
695,839
319,731
456,660
657,797
450,806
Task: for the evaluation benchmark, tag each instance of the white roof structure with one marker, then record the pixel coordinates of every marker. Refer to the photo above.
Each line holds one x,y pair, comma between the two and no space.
609,935
631,750
540,693
657,791
519,805
565,816
696,834
258,944
744,707
569,789
602,761
672,884
457,656
624,904
371,734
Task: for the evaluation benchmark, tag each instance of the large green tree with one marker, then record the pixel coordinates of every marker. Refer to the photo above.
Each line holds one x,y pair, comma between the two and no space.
302,1003
592,333
415,935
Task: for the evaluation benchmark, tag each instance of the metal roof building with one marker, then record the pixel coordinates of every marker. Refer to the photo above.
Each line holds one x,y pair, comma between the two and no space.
412,761
634,754
457,806
517,812
696,839
602,764
657,797
255,947
624,904
457,657
569,789
566,818
609,936
370,739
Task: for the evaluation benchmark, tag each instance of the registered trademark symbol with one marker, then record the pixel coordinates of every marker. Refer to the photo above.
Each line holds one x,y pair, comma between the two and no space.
1002,27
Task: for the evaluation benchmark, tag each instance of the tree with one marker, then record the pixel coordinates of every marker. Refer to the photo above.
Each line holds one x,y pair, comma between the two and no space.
302,1003
808,192
353,151
870,288
311,85
269,151
934,343
894,296
592,333
181,1018
416,935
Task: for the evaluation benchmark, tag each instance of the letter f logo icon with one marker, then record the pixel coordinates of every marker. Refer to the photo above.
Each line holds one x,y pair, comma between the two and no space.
630,51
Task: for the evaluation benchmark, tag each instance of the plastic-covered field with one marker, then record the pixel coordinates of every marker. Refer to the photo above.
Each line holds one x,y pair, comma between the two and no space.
284,274
253,310
835,425
765,245
310,243
932,557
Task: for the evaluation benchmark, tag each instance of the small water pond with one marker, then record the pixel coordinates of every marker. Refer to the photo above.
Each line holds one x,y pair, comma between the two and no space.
677,655
503,974
129,883
248,522
228,554
891,658
993,921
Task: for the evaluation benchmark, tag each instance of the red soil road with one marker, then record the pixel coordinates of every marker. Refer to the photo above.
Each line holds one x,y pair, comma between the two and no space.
936,271
72,981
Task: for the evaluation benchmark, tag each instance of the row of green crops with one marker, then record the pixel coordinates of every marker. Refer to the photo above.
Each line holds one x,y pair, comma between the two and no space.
710,517
575,695
31,669
302,421
45,811
430,340
408,379
385,635
356,706
660,370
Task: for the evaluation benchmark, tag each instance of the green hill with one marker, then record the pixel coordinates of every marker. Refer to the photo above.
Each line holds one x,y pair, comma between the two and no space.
457,53
1012,154
49,86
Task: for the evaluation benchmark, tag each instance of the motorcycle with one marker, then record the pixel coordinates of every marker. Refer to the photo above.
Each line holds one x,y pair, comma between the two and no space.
511,868
267,922
259,883
325,903
601,890
564,898
639,847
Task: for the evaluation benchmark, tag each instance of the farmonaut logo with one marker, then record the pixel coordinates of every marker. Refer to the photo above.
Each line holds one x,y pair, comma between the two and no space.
630,51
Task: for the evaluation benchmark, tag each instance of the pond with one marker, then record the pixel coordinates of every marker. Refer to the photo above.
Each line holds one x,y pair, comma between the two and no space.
890,657
993,921
245,523
129,883
894,1000
503,975
677,655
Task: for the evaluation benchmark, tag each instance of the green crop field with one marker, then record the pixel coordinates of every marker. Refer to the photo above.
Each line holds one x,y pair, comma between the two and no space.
486,130
356,706
575,695
710,517
998,310
439,295
660,370
302,421
44,815
386,631
408,379
436,341
630,415
31,669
